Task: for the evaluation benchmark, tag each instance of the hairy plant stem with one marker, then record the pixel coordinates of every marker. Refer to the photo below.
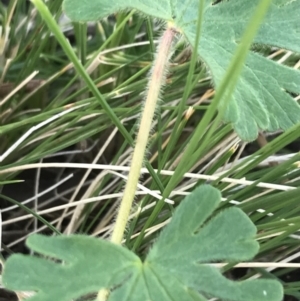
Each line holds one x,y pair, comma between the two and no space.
157,80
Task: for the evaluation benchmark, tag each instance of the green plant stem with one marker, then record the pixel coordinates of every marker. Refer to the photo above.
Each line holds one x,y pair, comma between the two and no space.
156,81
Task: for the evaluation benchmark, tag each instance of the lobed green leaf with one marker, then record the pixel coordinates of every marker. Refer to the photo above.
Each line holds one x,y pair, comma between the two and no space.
177,267
261,100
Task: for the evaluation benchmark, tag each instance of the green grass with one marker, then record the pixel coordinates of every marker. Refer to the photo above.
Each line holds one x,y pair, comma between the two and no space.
100,78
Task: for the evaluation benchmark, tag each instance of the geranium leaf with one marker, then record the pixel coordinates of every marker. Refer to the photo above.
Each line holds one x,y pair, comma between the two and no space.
177,267
218,239
88,264
239,241
261,100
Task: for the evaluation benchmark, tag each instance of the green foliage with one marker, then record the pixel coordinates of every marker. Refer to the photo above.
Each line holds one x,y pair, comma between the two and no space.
261,99
177,267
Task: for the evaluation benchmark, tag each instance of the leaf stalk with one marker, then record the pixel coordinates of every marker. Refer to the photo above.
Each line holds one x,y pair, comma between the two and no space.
157,80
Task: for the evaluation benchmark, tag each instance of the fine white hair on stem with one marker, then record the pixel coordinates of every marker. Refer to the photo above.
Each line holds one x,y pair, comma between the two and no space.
145,189
157,78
